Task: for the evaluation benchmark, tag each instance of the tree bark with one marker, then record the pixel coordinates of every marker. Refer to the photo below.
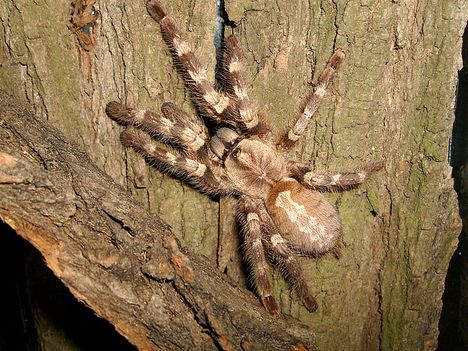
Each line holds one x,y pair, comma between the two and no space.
116,258
392,100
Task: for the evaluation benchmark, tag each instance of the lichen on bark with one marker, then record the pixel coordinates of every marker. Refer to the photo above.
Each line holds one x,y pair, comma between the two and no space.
392,100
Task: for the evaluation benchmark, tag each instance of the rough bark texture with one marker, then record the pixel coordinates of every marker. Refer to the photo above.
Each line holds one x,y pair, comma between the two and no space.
117,259
393,100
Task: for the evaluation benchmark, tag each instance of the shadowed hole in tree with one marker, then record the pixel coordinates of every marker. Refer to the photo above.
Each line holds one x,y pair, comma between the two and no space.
453,324
37,312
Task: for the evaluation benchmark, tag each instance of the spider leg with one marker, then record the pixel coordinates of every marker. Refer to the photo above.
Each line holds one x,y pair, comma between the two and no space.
218,106
285,260
176,128
249,218
338,182
197,173
314,100
233,63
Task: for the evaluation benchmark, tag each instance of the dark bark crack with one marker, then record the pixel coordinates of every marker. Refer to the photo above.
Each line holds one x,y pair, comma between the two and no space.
199,316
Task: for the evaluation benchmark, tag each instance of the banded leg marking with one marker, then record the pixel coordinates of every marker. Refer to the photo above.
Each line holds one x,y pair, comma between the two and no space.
287,263
164,160
190,129
216,105
285,260
175,128
337,182
249,219
234,70
314,100
193,171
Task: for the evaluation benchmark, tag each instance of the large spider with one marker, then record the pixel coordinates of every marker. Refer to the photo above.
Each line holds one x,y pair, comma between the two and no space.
281,209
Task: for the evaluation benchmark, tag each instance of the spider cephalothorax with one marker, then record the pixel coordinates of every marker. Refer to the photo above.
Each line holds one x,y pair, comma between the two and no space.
281,209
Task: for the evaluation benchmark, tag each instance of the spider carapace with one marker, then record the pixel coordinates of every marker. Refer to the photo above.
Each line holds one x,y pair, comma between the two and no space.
281,210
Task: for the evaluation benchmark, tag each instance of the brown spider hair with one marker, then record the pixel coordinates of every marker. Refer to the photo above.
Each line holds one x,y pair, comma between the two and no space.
281,209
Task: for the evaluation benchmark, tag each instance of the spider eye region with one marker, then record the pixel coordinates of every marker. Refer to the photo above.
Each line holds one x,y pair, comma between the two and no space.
254,167
224,141
236,152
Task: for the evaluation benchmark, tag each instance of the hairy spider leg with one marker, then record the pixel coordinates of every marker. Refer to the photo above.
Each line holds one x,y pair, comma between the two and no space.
192,171
234,63
304,221
314,100
176,128
190,128
218,106
337,182
285,261
248,213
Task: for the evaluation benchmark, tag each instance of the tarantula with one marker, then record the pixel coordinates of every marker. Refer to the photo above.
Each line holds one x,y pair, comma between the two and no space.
281,209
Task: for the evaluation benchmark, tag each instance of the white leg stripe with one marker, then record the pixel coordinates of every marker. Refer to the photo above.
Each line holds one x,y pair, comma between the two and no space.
199,76
320,91
308,177
140,115
250,121
276,239
200,171
234,66
222,104
251,216
194,140
197,143
257,243
167,124
195,168
182,47
311,177
240,92
308,111
335,179
171,158
211,97
293,136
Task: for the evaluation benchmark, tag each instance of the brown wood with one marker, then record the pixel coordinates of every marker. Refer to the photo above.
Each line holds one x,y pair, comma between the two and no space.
392,100
115,256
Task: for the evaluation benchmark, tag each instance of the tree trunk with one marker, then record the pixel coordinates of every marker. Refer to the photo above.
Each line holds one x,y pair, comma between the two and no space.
114,257
392,100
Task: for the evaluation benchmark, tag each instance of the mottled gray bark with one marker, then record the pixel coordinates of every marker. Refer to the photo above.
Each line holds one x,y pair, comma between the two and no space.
393,100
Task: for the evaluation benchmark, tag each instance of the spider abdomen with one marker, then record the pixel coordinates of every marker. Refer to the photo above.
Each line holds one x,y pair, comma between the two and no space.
304,217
